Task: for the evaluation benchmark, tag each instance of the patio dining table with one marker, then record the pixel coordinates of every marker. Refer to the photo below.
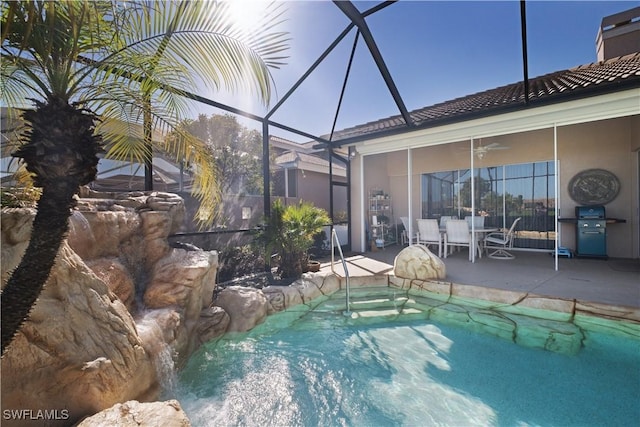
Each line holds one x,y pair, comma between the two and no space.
480,232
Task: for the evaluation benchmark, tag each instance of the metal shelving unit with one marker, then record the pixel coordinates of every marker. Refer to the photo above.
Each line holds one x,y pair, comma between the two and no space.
382,227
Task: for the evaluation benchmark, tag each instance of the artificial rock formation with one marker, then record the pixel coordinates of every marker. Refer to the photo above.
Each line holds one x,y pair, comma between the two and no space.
418,262
247,307
135,414
79,350
117,278
213,323
120,304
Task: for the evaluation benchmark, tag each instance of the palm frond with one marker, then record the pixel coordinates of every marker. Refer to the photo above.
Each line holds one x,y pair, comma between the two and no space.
118,59
17,86
225,56
206,188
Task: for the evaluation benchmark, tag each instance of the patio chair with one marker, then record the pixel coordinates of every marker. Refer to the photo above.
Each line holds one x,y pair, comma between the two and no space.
444,219
500,241
478,221
429,234
458,234
405,233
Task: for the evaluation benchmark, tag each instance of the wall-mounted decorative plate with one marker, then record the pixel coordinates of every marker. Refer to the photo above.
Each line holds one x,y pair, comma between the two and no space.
594,187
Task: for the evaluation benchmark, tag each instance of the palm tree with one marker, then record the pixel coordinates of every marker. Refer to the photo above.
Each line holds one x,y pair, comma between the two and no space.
290,232
101,71
301,223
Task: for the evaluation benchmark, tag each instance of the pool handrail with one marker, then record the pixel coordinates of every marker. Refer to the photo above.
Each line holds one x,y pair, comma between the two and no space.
335,241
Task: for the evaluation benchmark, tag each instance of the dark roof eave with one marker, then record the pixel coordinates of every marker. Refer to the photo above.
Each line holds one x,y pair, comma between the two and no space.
630,83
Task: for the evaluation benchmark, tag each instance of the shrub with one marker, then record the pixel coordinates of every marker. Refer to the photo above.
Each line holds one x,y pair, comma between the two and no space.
20,197
290,233
239,261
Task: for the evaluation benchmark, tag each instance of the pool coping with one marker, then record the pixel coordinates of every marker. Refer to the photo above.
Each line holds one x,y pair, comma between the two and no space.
523,299
569,307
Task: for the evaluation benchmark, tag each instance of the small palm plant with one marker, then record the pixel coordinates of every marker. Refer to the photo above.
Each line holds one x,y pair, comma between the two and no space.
290,232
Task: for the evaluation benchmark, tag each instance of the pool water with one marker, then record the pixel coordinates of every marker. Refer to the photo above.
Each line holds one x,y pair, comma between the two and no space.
323,370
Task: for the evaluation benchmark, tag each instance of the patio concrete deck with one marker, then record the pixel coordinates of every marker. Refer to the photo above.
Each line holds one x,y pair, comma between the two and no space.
614,282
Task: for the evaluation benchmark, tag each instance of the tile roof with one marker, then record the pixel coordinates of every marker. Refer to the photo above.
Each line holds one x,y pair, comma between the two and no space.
586,80
292,156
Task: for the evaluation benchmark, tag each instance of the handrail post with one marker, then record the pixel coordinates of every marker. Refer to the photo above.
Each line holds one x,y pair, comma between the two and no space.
335,241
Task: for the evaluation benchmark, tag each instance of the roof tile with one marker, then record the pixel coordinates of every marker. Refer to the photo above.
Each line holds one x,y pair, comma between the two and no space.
575,81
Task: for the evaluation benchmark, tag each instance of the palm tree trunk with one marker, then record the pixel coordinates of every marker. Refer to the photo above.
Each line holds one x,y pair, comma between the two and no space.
61,153
291,264
148,144
50,227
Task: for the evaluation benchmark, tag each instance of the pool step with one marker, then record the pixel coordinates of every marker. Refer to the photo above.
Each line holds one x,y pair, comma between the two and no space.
355,282
382,303
377,302
375,296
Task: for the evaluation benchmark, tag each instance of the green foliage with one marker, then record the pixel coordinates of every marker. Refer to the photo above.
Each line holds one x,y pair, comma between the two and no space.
239,261
20,197
481,186
340,216
300,223
236,151
290,232
269,236
23,193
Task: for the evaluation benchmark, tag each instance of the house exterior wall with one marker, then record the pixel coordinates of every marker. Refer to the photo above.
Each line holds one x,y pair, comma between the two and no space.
314,187
607,144
635,134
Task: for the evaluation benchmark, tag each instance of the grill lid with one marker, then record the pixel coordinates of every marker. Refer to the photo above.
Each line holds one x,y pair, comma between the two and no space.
590,212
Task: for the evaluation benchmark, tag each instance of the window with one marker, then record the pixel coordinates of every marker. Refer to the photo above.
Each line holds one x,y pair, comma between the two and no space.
246,212
292,187
284,183
501,194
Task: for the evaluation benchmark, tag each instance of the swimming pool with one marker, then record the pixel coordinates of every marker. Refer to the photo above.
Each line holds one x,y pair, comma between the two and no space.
325,369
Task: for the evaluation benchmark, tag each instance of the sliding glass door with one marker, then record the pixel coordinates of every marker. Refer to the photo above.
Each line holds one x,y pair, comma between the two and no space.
501,194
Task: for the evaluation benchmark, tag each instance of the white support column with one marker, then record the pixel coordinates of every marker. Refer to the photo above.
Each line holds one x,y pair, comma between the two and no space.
286,183
410,191
363,234
472,244
557,191
504,199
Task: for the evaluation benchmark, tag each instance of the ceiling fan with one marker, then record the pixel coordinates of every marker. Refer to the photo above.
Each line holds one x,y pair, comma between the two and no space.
481,150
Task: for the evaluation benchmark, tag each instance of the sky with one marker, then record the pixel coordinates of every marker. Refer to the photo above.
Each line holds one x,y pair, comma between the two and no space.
435,51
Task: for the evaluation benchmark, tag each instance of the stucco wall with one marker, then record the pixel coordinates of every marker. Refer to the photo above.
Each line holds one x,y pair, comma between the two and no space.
604,145
635,133
314,187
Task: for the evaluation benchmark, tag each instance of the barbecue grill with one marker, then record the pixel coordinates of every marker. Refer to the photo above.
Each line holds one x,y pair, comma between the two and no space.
591,231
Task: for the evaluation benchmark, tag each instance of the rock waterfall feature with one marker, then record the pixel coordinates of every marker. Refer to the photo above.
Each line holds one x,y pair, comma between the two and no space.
119,309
